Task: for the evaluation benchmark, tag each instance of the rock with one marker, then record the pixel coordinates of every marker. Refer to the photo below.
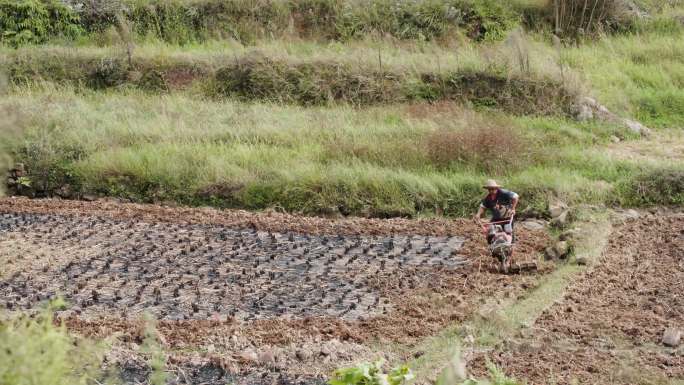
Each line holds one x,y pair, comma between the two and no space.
561,220
569,235
631,214
589,102
637,127
584,113
89,198
561,249
325,351
614,139
550,254
588,108
582,260
267,357
248,356
672,337
532,224
303,354
557,208
65,192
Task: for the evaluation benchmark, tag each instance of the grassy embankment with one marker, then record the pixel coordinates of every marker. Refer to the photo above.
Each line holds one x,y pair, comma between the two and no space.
353,123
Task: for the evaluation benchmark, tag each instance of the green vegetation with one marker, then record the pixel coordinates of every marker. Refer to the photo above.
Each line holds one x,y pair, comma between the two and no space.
34,351
35,21
186,21
371,374
361,124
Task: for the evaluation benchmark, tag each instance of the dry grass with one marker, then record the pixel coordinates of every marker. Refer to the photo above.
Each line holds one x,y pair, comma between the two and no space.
491,144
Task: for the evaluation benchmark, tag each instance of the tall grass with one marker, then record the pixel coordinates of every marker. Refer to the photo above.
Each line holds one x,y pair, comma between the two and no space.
375,162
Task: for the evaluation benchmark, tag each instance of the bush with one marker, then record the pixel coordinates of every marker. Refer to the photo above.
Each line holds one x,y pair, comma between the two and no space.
34,351
655,187
492,145
182,21
371,374
318,83
34,21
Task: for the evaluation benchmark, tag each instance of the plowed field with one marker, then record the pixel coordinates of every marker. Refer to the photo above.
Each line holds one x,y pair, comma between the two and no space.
246,297
608,327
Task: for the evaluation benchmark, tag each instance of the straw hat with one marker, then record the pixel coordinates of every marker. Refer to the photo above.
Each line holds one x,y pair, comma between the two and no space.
490,183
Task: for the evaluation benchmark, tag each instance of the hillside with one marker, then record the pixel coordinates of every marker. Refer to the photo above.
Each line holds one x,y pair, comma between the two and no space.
262,191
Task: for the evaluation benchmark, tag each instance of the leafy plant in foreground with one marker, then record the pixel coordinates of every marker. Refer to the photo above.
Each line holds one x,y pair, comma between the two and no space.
33,351
371,374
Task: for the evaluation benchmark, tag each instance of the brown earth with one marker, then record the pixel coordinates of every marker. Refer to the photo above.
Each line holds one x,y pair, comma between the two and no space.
114,261
608,327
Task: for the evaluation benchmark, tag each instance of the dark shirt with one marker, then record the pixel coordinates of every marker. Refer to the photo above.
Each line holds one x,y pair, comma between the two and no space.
496,204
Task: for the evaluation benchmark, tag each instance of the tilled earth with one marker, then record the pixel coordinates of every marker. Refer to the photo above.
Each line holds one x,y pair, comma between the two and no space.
608,327
246,297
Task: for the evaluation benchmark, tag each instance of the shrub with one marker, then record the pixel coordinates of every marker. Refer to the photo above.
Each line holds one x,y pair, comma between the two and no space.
34,21
655,187
492,145
575,18
371,374
34,351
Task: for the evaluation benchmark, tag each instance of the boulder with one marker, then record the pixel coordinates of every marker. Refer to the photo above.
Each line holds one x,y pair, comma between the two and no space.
267,357
533,224
550,254
556,208
561,220
588,108
672,337
631,214
584,113
561,249
614,139
636,127
303,354
248,356
65,191
582,260
325,351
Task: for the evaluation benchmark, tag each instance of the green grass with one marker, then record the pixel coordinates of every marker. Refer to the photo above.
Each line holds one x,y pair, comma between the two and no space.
253,147
374,161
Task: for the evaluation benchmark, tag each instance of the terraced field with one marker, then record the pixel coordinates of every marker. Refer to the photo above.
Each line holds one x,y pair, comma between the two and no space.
249,288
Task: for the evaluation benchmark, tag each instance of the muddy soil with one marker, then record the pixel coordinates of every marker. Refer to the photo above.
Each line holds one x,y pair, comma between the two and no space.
247,297
608,327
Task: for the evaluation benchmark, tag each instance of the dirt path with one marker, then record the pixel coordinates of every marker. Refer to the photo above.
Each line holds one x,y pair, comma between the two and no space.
247,297
608,327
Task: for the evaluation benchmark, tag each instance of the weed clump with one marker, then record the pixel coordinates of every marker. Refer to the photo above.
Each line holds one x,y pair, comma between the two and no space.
35,351
655,187
263,78
257,77
492,146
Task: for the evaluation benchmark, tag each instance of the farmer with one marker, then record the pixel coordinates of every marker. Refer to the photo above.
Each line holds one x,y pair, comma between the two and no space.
500,202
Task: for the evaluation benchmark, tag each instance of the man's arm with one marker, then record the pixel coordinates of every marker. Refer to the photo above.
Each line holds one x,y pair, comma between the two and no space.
479,213
514,201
